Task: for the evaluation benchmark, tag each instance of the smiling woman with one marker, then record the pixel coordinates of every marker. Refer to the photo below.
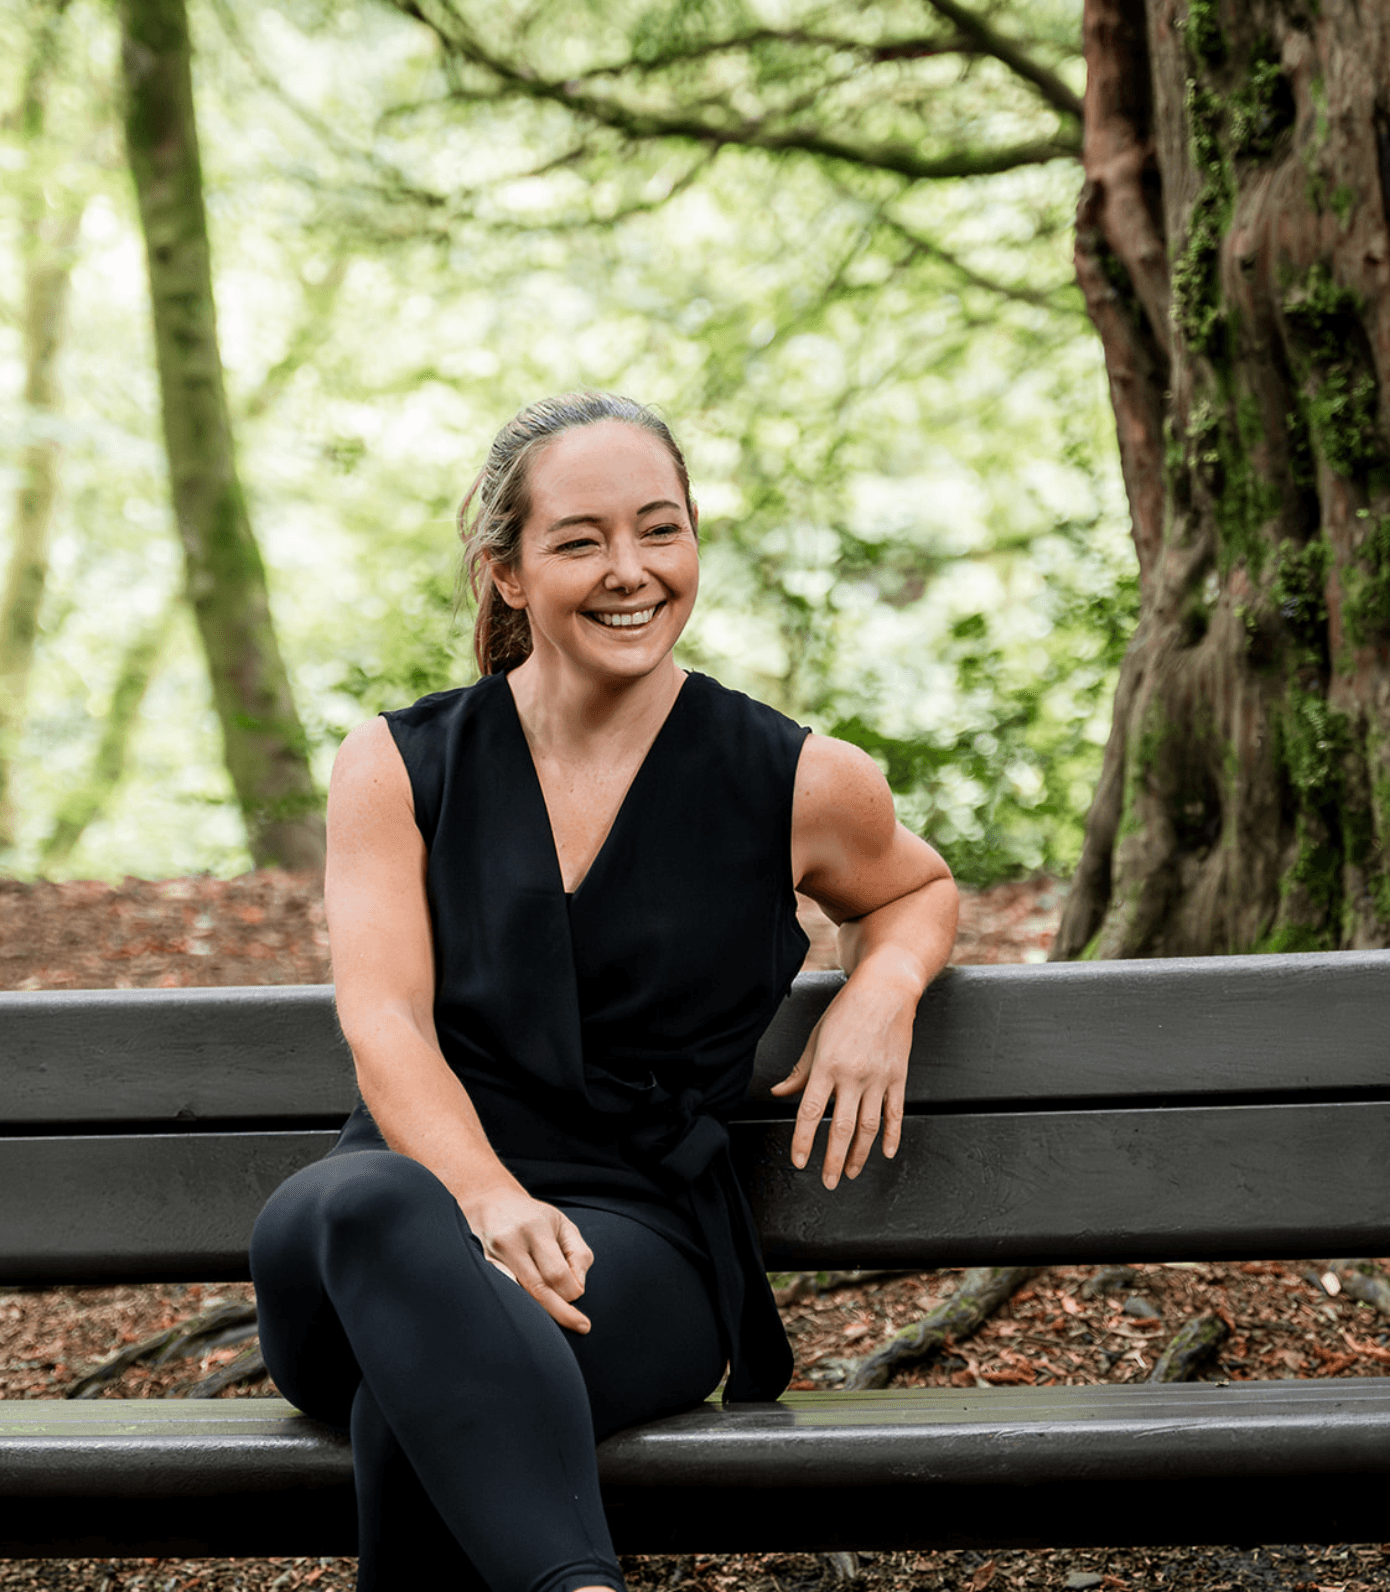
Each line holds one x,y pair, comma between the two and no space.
562,911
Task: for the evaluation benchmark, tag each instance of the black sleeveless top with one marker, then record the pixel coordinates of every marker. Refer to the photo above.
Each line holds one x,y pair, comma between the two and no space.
604,1037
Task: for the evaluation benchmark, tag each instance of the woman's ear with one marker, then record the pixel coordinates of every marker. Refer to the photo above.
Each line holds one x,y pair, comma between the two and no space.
504,578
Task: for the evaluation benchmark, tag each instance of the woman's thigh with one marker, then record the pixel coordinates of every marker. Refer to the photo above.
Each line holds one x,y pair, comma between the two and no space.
345,1208
655,1343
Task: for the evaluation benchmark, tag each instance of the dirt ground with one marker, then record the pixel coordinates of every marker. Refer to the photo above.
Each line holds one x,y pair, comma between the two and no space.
268,928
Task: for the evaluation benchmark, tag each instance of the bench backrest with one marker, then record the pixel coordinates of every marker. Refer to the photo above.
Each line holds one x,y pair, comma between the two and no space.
1186,1109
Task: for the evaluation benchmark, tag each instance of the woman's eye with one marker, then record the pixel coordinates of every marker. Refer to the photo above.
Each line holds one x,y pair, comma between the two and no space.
576,546
663,530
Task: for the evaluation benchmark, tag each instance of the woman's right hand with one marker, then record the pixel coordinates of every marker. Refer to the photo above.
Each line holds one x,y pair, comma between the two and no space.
539,1246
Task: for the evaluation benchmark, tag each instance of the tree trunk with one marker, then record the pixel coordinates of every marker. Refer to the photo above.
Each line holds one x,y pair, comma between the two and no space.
49,237
1232,246
263,741
82,805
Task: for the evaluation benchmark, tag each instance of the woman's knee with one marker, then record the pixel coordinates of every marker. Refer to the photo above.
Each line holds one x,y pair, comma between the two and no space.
348,1204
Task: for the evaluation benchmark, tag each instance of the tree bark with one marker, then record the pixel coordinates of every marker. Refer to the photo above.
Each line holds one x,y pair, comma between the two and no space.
1232,246
49,238
263,741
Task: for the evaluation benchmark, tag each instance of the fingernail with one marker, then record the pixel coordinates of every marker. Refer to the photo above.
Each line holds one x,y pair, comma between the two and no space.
798,1161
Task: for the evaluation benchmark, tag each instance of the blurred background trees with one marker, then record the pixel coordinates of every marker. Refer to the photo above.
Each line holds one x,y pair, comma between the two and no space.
833,245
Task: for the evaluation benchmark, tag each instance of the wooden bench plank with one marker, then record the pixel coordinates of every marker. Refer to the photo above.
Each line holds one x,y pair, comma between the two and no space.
140,1207
1257,1461
174,1056
1036,1187
1100,1030
1196,1182
1107,1030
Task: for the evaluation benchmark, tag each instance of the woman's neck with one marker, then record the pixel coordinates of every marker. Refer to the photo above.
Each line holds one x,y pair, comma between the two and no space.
571,716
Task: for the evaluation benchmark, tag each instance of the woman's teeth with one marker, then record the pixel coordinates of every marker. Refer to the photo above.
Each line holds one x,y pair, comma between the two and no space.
625,621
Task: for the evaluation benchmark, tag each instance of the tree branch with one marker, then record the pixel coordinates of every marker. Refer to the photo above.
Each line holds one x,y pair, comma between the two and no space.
1040,298
1049,85
902,159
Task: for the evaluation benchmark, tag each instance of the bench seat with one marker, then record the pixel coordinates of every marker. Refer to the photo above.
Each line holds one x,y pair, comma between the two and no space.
926,1467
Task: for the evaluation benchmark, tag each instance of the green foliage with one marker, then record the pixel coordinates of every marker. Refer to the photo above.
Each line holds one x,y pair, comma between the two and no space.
1202,31
1261,108
1366,585
1292,937
1299,589
1003,793
1343,405
1196,289
1224,439
1315,738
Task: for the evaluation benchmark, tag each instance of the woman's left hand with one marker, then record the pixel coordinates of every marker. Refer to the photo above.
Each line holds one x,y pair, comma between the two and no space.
857,1058
895,902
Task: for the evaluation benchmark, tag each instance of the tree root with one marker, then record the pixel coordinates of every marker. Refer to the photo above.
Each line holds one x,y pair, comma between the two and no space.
803,1284
215,1328
982,1290
845,1567
249,1366
1361,1280
1192,1345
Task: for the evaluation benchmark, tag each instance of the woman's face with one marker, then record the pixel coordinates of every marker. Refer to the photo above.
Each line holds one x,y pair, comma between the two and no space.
609,565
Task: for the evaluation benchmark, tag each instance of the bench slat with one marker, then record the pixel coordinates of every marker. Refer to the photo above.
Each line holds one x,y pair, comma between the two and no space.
1197,1182
1100,1030
1267,1461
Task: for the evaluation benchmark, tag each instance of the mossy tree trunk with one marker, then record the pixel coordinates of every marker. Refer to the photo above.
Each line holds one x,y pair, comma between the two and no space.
1232,244
49,226
263,741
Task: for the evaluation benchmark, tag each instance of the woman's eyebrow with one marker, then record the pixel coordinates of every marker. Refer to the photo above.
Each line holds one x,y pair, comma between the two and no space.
598,519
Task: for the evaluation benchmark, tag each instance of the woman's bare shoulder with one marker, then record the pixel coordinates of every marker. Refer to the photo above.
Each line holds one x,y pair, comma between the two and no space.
368,757
840,788
849,852
369,788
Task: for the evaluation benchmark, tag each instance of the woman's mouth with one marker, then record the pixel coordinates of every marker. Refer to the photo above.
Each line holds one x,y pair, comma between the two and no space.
617,619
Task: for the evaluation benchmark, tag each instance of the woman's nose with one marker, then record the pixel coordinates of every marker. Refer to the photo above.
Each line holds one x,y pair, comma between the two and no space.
625,563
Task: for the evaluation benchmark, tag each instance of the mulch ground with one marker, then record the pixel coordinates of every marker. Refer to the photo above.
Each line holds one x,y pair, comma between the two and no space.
267,928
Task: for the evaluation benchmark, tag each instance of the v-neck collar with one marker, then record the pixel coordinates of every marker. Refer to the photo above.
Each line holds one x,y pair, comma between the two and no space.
537,793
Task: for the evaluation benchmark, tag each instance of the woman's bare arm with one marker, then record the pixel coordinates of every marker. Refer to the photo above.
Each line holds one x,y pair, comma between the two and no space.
383,969
896,904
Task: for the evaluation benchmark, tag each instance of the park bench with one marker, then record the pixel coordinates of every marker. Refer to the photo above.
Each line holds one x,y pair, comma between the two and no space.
1172,1110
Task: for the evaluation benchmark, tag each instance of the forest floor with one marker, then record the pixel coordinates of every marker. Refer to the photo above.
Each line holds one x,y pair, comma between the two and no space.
268,928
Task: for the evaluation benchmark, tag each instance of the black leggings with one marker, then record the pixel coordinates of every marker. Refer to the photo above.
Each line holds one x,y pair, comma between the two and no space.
473,1414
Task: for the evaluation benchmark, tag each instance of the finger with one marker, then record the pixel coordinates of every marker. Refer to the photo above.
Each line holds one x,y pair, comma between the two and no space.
893,1118
807,1121
838,1140
557,1273
576,1252
865,1132
551,1302
503,1267
561,1311
795,1081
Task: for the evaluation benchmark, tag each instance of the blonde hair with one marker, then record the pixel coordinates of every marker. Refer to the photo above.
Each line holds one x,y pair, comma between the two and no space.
491,517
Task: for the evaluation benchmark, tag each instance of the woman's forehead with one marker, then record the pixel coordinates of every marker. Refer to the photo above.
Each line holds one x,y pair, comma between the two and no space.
602,468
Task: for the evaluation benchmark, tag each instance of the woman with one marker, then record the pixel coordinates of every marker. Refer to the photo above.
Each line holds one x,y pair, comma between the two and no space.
561,911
